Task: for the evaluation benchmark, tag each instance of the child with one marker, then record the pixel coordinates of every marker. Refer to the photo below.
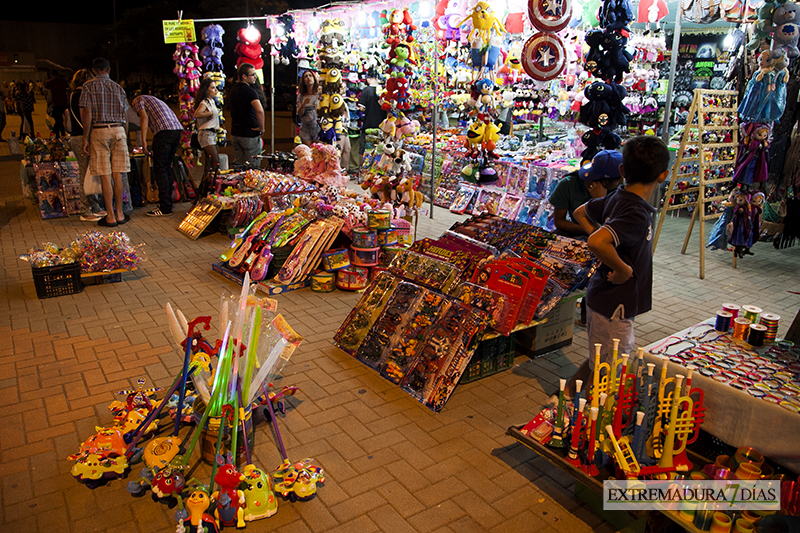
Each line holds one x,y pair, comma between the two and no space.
620,228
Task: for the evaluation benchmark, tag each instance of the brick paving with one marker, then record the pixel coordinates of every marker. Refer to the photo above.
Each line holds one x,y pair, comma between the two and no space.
392,465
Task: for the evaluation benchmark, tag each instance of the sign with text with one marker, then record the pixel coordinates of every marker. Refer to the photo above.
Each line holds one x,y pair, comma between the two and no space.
674,495
178,31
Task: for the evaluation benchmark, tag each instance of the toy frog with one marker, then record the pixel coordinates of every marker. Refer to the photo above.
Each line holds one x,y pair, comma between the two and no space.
260,501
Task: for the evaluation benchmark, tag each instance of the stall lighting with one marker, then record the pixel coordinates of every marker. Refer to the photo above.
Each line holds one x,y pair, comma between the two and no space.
314,23
251,33
425,10
727,43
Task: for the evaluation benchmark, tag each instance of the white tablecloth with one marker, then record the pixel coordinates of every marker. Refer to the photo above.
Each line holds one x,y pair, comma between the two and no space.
739,419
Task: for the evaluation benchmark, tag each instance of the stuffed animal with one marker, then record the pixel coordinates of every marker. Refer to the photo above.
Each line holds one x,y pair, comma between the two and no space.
593,62
616,59
483,22
615,14
785,28
212,52
247,50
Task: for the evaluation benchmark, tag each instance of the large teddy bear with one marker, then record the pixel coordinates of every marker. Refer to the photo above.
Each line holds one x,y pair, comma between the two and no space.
249,51
786,28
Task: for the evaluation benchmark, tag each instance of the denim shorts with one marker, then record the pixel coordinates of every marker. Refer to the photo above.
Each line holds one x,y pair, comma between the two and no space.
207,138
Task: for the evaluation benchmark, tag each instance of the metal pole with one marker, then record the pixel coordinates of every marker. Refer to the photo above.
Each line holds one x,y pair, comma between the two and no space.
434,119
673,64
271,100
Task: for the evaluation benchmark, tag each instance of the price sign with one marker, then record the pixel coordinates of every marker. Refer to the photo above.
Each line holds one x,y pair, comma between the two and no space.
178,31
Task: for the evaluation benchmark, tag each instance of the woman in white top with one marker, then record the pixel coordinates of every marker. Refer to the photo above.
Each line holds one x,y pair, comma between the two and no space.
207,116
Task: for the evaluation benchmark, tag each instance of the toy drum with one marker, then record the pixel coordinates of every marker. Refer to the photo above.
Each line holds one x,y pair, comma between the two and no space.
387,237
381,219
402,228
323,281
335,259
364,257
352,278
364,238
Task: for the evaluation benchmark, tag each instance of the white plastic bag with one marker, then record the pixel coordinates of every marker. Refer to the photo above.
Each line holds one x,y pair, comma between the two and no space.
92,184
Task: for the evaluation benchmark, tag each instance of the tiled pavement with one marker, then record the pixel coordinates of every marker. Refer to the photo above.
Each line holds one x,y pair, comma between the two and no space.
392,465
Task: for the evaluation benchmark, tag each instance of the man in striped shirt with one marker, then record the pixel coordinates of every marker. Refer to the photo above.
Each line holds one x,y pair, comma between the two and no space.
105,139
157,116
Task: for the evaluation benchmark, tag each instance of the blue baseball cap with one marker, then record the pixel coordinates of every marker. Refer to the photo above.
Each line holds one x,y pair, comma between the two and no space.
605,165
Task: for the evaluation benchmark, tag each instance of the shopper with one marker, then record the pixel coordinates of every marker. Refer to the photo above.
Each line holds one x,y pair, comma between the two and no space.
247,116
207,116
620,228
373,114
57,87
90,206
2,113
24,100
158,117
105,139
593,180
307,104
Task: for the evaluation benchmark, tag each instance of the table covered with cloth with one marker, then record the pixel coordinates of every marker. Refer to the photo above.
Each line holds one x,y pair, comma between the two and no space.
751,395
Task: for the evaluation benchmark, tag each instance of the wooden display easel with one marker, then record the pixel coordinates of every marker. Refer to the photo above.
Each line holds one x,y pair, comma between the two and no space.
693,135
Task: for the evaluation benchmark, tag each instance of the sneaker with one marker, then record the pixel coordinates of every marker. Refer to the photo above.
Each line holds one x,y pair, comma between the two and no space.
90,218
158,213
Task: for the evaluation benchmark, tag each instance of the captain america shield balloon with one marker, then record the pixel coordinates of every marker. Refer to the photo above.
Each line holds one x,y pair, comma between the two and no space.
543,56
550,15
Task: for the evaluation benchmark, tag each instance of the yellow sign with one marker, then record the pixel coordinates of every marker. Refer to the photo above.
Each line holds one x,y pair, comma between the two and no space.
178,31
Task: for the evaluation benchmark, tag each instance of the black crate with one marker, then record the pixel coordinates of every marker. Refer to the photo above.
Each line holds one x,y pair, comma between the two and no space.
491,356
57,280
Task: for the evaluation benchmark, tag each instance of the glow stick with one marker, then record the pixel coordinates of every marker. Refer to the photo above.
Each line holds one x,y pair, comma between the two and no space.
255,332
215,390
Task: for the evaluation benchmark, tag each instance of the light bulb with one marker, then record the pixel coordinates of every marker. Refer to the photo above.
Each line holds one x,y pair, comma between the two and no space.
361,18
313,24
425,10
727,43
251,34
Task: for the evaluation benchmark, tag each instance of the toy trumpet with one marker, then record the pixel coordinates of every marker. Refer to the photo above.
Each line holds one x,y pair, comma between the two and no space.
588,465
626,398
626,461
556,441
577,430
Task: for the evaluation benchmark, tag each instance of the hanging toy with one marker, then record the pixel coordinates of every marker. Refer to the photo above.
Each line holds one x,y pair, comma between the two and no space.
483,21
543,56
550,15
741,225
758,88
248,48
785,28
751,159
212,52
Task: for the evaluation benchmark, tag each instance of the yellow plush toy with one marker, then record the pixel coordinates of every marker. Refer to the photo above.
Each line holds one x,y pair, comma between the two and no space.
483,20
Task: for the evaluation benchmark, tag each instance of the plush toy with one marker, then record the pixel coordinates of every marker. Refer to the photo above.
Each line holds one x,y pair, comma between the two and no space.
290,49
249,51
212,52
785,28
483,21
615,14
616,59
593,61
776,98
751,159
758,88
741,225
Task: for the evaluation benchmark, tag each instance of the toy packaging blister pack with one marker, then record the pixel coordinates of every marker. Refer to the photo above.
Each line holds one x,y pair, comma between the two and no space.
456,252
358,323
537,278
493,303
435,373
394,319
424,270
463,199
506,280
509,206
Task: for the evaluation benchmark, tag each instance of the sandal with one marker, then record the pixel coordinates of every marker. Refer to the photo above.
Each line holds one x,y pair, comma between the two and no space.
106,224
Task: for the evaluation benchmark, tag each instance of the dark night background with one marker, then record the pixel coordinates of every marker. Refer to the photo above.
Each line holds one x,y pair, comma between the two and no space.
135,42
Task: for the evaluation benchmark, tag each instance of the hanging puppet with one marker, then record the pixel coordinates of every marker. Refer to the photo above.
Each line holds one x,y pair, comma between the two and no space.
751,159
741,225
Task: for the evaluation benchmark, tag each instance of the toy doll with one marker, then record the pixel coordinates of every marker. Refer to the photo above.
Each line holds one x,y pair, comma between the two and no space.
751,163
756,91
776,95
741,225
718,236
756,217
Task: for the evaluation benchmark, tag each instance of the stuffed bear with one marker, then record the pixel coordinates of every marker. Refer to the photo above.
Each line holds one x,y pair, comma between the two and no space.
616,59
786,28
249,52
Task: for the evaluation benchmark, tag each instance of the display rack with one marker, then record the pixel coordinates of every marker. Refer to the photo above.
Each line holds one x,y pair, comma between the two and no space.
700,163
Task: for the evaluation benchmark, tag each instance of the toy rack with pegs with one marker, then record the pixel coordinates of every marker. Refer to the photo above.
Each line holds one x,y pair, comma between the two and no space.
705,162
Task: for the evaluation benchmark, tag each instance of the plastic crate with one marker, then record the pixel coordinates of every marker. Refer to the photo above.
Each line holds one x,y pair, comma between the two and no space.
57,280
491,356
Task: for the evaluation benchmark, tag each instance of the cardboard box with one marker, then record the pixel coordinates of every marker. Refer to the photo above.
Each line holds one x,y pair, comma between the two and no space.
553,334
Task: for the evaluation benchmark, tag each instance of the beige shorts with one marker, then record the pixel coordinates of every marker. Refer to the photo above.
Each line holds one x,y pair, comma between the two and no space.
109,151
206,138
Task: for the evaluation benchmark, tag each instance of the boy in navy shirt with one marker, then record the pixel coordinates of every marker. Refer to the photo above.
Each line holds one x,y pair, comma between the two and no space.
620,228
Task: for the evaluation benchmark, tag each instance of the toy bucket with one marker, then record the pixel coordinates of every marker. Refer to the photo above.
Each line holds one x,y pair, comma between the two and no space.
335,259
364,238
402,228
364,256
387,237
352,278
381,219
323,281
210,434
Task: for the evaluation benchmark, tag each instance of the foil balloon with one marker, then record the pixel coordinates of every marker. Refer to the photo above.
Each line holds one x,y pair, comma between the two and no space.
543,56
550,15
